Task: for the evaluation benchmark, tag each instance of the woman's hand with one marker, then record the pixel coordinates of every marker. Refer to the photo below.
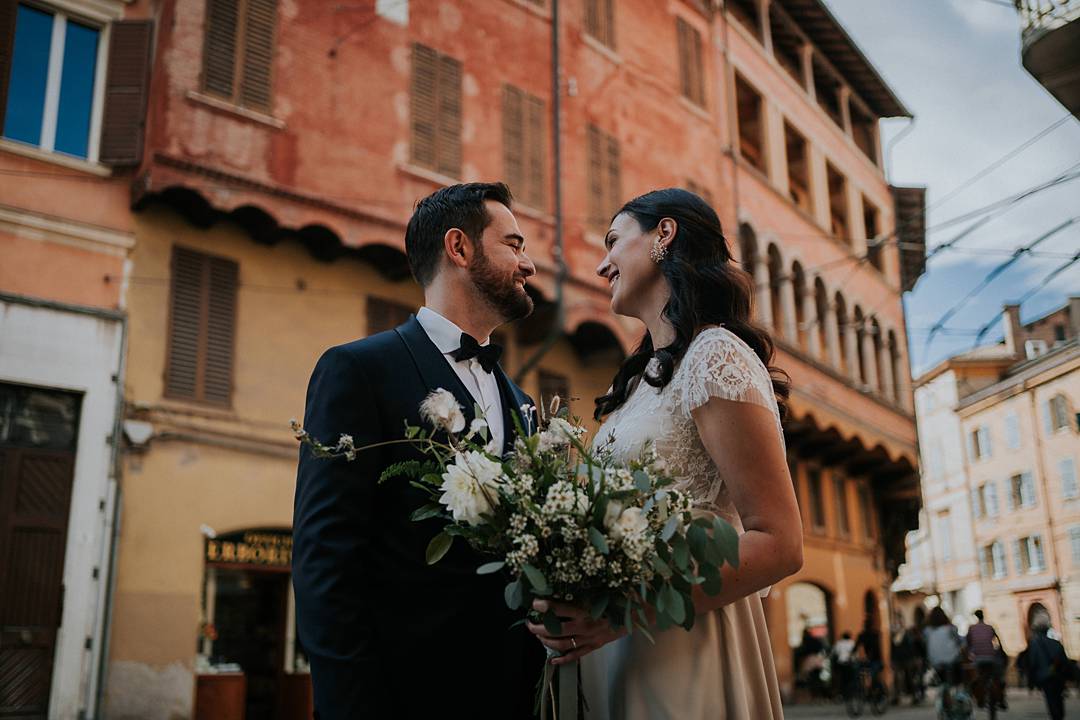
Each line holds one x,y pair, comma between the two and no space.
580,636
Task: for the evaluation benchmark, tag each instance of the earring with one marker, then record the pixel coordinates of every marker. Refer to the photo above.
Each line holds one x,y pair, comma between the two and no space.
658,252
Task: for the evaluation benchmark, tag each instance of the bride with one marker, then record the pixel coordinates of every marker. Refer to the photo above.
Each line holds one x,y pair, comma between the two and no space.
699,387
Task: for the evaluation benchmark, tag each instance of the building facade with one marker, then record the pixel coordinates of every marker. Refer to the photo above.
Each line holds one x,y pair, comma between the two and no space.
285,146
67,146
1005,536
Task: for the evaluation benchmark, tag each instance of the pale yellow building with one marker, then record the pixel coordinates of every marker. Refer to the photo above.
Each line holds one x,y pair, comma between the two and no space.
1001,447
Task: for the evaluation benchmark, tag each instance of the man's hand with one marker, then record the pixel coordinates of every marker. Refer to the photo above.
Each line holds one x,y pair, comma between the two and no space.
580,636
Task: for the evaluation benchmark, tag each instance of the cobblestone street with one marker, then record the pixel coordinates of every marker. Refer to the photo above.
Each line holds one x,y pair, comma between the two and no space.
1022,706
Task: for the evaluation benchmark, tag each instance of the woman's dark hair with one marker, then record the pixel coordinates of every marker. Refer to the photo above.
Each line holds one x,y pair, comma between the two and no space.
937,618
456,206
707,288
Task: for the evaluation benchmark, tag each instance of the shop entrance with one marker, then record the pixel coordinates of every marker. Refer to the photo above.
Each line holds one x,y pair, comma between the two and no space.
249,666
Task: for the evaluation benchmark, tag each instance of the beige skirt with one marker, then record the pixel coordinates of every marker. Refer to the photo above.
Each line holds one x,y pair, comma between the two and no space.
722,669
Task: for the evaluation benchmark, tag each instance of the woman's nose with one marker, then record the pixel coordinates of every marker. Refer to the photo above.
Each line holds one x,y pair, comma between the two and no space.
602,269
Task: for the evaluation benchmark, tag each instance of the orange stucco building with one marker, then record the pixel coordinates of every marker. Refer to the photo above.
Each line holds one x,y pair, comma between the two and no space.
285,145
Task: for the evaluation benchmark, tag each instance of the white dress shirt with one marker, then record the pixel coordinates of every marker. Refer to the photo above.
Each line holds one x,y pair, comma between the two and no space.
483,386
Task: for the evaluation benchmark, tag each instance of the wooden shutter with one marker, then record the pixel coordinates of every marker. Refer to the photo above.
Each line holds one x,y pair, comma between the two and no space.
448,145
126,84
220,330
514,139
220,47
535,143
202,327
614,178
595,176
8,10
600,20
185,324
385,315
523,145
683,31
258,57
423,105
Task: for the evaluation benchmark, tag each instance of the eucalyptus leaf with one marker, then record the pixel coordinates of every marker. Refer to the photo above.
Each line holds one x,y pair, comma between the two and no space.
670,527
427,511
642,480
598,540
698,540
661,567
491,567
438,547
432,479
536,579
675,608
680,552
712,584
727,541
514,594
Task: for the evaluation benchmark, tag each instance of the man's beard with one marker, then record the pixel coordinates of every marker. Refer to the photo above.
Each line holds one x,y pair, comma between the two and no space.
501,293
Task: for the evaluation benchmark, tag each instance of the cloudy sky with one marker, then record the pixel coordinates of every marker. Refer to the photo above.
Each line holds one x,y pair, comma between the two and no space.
956,65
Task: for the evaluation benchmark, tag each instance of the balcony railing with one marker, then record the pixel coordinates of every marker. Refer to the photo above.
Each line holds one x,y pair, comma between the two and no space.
1042,15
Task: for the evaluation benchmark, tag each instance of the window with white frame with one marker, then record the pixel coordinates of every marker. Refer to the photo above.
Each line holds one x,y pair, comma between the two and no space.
1012,431
54,93
1067,470
978,509
1056,412
997,554
989,498
1074,543
1029,554
1021,491
979,443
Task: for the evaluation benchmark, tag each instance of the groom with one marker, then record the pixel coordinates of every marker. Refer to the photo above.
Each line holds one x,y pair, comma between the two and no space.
388,636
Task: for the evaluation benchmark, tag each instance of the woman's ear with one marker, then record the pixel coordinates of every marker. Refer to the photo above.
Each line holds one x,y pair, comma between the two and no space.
666,231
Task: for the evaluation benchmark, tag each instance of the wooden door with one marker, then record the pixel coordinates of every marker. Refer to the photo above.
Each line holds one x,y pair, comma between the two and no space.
37,459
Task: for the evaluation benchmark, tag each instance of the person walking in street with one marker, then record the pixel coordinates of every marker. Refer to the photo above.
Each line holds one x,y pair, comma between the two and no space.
984,649
1047,667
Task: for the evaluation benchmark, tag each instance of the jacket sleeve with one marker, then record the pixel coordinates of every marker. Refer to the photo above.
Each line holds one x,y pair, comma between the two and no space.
332,526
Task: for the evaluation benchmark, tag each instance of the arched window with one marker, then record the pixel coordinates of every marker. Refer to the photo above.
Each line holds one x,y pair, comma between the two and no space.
860,337
776,284
843,326
798,281
897,368
821,305
878,343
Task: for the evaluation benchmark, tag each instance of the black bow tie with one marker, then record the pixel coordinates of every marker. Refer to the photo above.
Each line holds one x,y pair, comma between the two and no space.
488,355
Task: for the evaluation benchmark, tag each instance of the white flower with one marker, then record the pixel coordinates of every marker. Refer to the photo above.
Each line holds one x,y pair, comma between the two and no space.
557,435
477,426
441,409
563,498
612,513
471,486
631,523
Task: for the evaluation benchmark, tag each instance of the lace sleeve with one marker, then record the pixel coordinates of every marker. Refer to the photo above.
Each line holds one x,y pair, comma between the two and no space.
719,364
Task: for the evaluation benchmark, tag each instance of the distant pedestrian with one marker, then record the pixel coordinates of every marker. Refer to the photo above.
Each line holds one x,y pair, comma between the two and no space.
943,646
1048,667
984,648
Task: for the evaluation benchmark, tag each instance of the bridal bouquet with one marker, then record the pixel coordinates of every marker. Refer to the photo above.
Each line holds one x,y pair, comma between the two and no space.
561,521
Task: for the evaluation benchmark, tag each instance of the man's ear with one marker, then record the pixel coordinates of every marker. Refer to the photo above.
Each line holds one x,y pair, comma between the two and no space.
458,247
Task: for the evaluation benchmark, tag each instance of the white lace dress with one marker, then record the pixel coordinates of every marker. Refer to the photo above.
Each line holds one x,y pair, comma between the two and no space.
722,669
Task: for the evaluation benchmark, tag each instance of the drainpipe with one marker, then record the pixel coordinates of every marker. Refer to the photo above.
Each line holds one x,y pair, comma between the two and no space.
561,271
112,531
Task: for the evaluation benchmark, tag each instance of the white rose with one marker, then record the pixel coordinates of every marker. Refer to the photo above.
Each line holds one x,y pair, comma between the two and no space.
614,510
441,409
631,523
471,487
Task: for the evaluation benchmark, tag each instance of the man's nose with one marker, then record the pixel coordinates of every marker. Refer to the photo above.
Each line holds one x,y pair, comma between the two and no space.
528,269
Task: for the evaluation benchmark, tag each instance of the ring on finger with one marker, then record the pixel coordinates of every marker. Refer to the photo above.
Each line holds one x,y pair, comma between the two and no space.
573,641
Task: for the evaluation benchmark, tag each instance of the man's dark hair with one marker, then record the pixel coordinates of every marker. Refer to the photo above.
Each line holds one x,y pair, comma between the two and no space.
457,206
979,615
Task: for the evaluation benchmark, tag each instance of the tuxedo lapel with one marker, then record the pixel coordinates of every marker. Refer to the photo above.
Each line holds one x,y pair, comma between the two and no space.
512,399
433,367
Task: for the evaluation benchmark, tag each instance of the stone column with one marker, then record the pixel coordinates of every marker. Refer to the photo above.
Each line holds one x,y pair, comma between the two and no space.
851,351
787,300
762,296
813,323
867,350
888,382
833,346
